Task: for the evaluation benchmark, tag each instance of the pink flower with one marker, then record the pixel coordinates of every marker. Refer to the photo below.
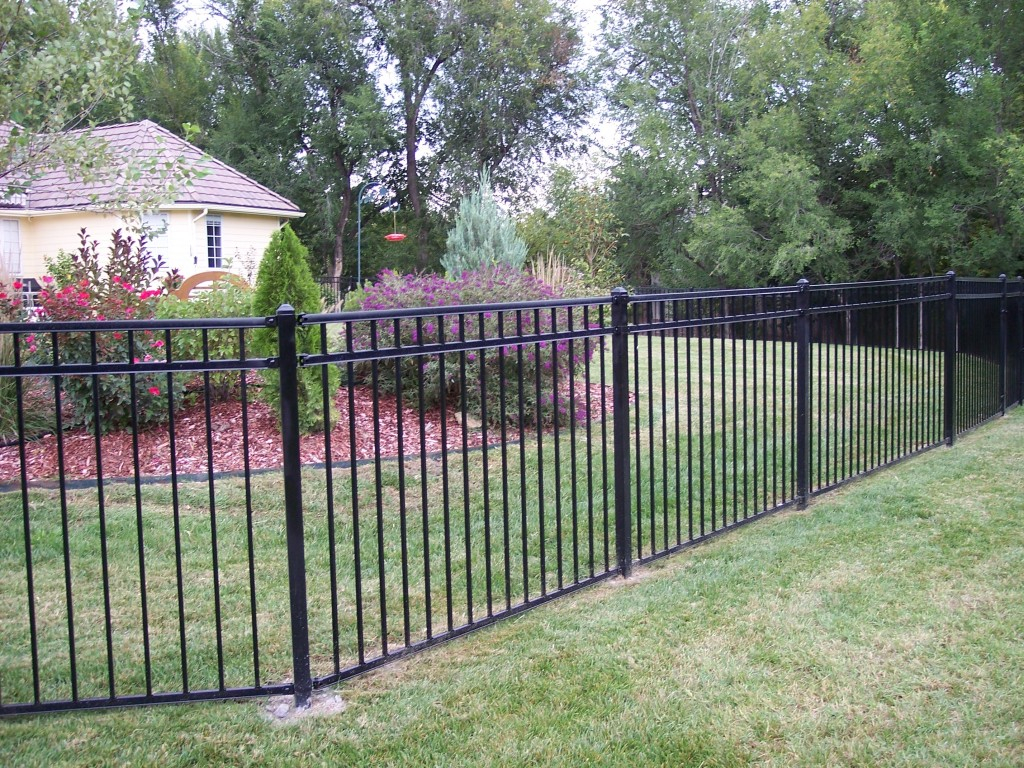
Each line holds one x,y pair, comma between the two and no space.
157,344
3,295
116,278
16,285
154,390
47,279
118,336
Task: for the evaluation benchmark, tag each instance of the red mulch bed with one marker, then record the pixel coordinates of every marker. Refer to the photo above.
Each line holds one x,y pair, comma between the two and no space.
263,441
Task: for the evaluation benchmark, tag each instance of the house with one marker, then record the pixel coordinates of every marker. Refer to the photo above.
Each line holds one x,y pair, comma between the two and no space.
213,218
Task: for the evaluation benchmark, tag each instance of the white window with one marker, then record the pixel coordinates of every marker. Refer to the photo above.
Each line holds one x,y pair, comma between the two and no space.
10,247
155,225
214,242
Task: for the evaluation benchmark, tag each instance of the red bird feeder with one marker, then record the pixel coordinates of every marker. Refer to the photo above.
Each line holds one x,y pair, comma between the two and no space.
396,236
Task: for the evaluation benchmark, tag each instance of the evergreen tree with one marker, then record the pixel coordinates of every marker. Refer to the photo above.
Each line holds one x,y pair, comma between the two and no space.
483,236
284,278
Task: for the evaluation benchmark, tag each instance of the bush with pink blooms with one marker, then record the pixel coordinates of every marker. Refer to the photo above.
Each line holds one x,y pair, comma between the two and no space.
121,287
485,370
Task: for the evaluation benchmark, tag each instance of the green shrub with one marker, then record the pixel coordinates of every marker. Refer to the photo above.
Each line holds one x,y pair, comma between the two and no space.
354,299
483,236
223,299
284,278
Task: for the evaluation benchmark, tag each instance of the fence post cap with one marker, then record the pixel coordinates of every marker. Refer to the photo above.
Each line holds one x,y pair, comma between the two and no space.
620,291
951,274
286,309
803,283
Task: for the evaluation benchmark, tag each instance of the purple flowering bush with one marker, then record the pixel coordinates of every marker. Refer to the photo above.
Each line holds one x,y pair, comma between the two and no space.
484,368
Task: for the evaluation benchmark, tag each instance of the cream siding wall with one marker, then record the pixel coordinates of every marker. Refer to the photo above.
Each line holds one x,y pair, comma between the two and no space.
245,237
46,236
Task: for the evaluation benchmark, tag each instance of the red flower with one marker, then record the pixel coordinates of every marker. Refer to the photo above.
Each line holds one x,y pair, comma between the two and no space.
154,390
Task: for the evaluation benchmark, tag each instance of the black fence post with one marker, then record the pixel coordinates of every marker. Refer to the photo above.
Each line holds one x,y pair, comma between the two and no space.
803,393
288,371
949,416
1020,340
1003,343
620,434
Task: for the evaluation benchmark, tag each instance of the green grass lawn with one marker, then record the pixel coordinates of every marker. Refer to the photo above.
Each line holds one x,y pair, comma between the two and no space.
711,441
881,626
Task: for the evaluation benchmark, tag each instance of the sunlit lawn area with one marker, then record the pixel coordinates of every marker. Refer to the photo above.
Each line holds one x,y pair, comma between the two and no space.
711,441
880,626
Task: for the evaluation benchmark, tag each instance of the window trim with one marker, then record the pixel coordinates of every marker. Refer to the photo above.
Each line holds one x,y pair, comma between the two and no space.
215,241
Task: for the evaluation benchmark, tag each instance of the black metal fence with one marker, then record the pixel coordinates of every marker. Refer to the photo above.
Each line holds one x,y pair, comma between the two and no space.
334,289
163,540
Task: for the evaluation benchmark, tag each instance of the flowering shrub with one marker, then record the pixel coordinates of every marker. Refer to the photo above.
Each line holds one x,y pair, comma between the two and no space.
36,412
118,290
10,300
485,369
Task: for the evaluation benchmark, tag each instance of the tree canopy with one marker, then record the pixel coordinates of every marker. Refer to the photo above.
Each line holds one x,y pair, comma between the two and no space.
757,140
834,139
63,66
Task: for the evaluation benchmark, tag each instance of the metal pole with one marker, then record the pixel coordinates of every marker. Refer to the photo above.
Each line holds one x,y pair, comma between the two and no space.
803,393
288,368
1003,343
620,433
359,237
950,359
359,226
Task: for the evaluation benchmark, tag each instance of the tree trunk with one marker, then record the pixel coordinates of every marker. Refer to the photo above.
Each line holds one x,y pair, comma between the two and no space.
339,233
345,173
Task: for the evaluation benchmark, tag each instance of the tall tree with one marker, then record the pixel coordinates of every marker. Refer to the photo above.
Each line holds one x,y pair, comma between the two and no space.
302,111
829,138
480,84
176,83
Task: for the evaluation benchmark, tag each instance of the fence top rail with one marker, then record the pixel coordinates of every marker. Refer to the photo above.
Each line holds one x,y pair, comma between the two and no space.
715,293
100,326
875,283
455,309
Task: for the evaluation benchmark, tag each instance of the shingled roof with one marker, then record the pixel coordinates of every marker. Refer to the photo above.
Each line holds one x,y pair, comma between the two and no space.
217,185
